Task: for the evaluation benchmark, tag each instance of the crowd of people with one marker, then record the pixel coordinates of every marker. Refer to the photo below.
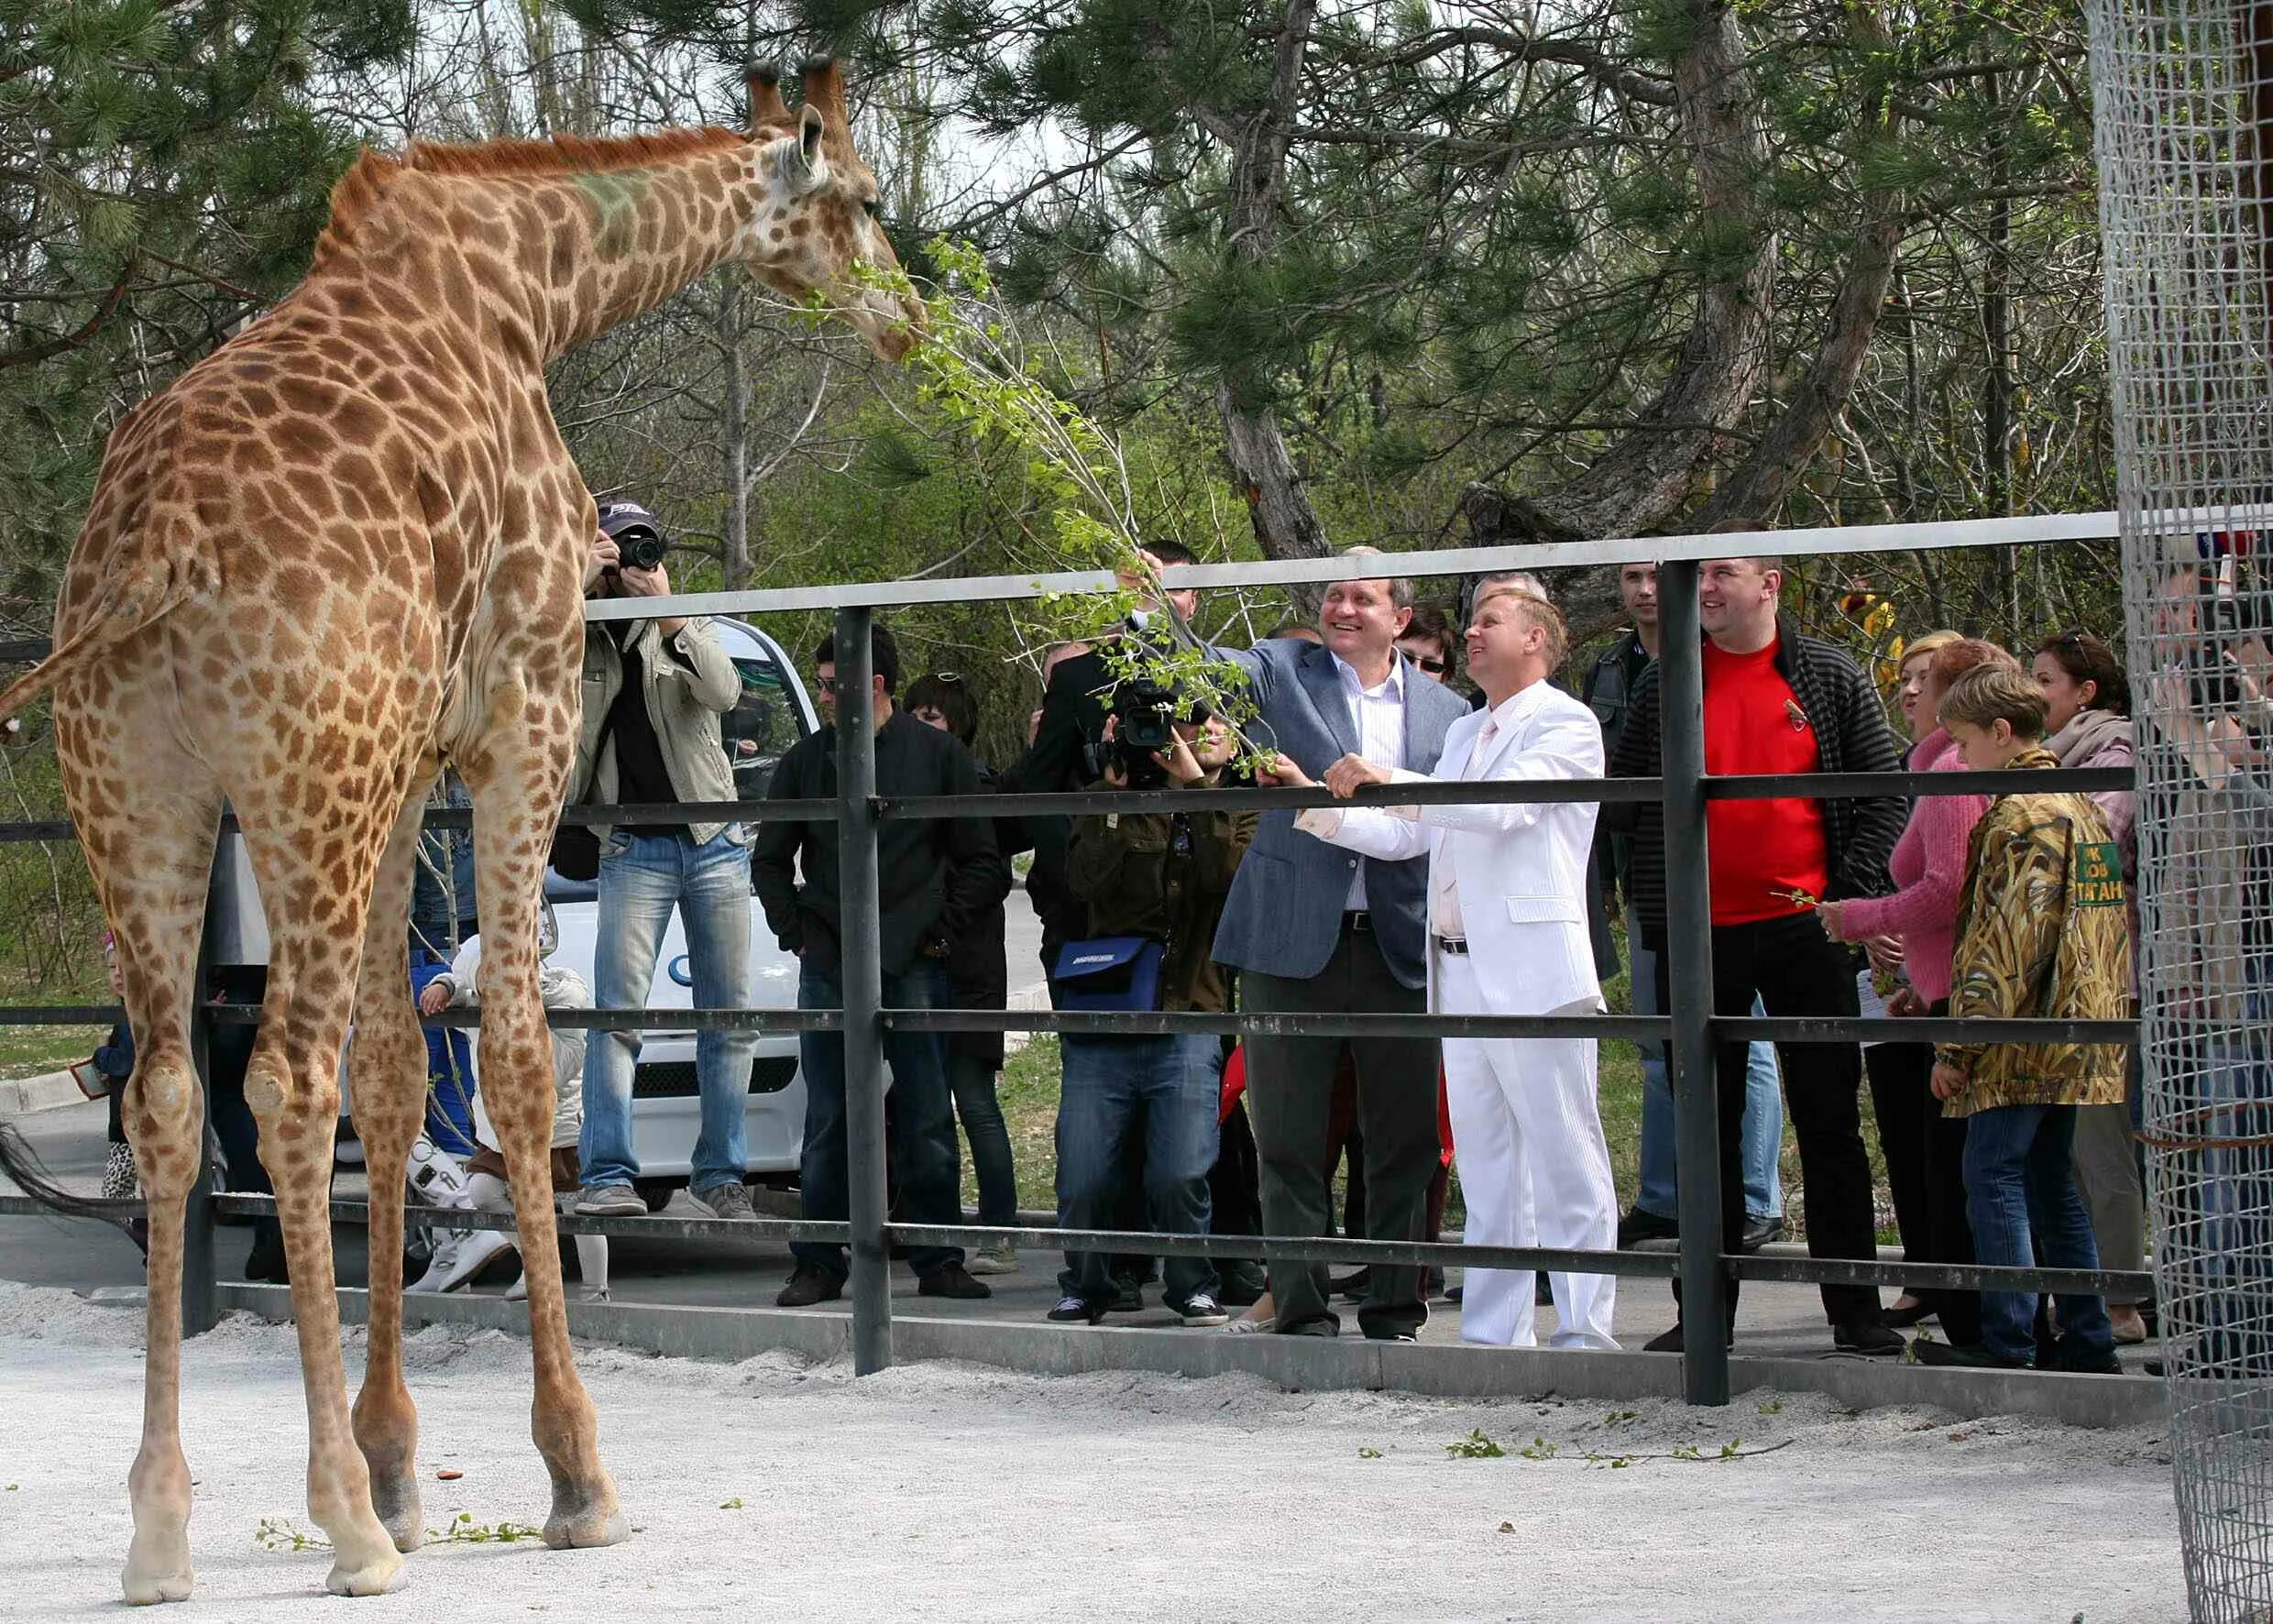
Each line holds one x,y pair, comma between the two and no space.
2016,904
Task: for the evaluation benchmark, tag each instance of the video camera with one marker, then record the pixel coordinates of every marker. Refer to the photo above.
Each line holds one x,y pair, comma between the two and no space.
1145,717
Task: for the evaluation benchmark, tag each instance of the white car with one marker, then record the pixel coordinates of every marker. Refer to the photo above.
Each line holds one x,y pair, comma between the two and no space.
772,713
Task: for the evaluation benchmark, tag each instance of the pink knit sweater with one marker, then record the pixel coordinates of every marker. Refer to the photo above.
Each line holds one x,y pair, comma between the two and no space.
1928,869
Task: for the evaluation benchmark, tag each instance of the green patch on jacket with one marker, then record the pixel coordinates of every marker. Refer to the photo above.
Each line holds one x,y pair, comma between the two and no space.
2097,880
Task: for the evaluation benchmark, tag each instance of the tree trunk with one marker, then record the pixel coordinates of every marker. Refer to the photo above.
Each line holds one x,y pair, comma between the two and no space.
1286,525
734,435
1651,470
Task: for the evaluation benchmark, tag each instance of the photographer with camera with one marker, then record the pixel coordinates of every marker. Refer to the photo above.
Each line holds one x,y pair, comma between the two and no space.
653,691
1153,885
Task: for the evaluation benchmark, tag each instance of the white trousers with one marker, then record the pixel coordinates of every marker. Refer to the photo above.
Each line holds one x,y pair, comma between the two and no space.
1534,1171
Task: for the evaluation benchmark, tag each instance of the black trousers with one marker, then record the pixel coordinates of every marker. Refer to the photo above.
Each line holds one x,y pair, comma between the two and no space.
1291,1095
1795,970
1939,1231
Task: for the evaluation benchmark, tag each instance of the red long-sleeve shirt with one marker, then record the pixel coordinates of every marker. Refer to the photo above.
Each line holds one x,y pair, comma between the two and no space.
1761,850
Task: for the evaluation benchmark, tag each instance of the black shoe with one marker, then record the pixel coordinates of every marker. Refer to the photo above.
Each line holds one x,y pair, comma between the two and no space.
1638,1225
1073,1310
1353,1285
1870,1338
952,1279
809,1284
1758,1233
2078,1359
1902,1319
1453,1294
1922,1351
1675,1341
1129,1297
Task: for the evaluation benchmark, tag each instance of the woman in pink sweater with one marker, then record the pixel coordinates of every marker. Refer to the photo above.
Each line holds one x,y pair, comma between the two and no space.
1925,1150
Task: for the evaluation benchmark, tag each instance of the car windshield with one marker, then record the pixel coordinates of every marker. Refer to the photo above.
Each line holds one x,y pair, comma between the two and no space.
762,724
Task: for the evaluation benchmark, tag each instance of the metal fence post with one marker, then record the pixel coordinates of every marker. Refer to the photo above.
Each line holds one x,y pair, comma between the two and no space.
861,978
200,1272
1688,958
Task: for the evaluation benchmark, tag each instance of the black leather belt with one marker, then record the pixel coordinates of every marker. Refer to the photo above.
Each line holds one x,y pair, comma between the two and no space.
1452,944
1358,920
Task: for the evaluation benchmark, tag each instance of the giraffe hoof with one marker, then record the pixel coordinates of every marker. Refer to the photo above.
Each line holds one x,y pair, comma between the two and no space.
147,1589
587,1531
373,1578
157,1567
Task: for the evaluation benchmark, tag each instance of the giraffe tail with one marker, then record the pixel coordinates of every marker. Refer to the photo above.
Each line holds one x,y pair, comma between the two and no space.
21,1163
142,597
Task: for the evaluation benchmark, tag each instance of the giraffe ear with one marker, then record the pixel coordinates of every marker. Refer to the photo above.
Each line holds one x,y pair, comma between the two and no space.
767,110
806,166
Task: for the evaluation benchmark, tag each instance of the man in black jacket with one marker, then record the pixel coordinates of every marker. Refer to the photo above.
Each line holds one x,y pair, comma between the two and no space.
934,875
1778,702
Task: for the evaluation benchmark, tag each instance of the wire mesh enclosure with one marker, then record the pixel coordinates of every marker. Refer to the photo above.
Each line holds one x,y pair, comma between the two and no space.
2183,97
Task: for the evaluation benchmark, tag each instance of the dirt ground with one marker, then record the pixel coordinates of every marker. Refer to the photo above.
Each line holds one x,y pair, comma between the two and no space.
779,1488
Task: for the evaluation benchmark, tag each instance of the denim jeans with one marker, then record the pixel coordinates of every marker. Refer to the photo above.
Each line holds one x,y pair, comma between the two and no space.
1170,1086
2020,1193
449,1069
923,1120
642,878
1763,1108
972,1078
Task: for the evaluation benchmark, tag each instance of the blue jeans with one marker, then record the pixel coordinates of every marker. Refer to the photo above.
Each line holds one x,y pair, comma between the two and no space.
1171,1088
642,878
923,1122
449,1069
1763,1108
2020,1194
972,1078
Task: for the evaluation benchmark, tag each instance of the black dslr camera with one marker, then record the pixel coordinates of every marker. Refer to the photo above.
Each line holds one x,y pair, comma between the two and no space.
1146,714
639,549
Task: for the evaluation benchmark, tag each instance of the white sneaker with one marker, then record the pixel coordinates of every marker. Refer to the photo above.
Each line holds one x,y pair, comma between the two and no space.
461,1258
992,1260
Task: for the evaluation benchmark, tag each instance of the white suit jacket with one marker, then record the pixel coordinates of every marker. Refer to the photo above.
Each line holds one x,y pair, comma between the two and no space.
1521,868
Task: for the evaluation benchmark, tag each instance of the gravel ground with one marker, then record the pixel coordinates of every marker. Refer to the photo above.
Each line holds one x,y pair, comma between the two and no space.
780,1489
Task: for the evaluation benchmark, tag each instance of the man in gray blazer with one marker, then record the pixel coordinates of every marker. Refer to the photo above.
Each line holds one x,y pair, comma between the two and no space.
1314,930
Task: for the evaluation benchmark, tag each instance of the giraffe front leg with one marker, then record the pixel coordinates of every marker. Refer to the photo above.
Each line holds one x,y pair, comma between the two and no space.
388,1081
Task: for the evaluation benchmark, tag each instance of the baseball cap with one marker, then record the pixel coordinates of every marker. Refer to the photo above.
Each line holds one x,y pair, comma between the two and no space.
617,519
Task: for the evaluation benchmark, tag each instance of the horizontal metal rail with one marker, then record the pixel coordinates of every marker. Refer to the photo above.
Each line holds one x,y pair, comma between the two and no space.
1648,1264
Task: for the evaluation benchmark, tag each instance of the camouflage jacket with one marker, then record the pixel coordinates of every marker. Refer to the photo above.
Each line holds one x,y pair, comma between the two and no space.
2041,932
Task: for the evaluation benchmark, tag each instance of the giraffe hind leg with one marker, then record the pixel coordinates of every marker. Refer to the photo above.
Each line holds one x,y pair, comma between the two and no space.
293,1086
152,878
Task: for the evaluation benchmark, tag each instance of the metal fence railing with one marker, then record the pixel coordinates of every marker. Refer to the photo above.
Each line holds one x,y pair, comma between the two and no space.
1689,1032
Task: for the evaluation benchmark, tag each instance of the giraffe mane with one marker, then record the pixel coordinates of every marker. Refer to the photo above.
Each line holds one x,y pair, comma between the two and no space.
372,174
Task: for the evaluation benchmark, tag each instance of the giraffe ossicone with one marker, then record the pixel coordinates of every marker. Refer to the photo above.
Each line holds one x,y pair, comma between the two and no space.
345,548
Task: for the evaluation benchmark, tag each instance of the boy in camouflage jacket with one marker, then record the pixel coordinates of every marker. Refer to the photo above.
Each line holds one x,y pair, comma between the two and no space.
2041,933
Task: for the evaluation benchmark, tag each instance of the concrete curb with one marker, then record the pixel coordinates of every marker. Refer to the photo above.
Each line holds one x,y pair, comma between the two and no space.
48,1091
1299,1363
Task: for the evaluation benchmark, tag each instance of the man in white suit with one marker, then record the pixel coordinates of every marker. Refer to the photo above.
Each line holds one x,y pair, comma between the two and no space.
1508,935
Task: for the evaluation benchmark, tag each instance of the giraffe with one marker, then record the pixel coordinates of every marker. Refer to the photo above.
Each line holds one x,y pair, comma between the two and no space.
342,550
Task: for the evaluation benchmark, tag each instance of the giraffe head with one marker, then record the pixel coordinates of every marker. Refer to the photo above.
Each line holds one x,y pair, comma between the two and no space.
822,213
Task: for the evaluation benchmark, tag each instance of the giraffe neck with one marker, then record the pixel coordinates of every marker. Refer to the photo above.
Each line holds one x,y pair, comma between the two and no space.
629,239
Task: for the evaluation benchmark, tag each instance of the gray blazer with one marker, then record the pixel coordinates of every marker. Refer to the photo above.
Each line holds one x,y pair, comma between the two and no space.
1285,912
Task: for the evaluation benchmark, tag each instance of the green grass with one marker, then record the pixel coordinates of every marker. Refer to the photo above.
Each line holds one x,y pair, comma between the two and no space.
27,1051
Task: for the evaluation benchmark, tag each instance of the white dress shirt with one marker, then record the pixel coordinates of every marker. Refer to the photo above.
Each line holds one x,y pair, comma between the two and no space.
1379,715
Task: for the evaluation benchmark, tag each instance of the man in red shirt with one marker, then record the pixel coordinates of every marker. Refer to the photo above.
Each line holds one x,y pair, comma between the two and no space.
1778,702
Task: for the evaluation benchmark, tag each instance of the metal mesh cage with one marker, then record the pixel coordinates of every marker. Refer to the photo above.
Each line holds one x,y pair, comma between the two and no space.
2183,101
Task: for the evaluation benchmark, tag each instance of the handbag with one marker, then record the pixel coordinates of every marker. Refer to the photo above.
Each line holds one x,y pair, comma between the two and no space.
1109,972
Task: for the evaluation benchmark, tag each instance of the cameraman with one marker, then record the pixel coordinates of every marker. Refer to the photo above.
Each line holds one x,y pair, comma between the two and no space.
653,691
1162,876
